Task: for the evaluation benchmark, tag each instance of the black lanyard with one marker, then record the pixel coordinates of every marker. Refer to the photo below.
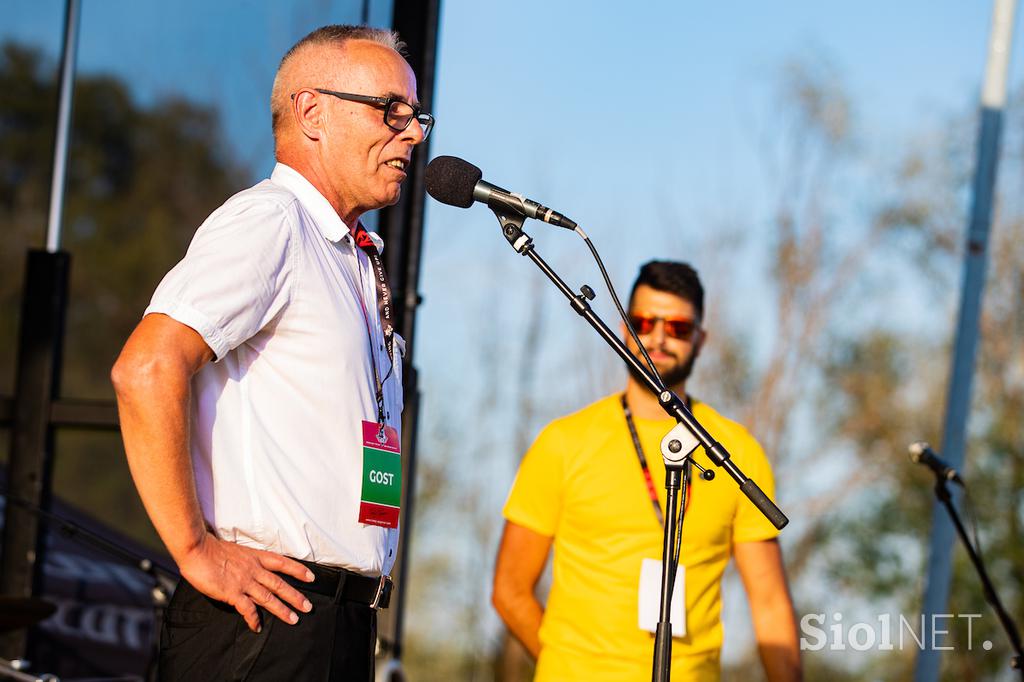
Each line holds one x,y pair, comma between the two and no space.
643,463
362,239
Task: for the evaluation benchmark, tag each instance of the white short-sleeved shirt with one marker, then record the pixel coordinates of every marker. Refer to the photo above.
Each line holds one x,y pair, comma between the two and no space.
275,286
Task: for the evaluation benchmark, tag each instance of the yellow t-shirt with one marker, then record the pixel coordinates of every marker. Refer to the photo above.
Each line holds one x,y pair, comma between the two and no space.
581,483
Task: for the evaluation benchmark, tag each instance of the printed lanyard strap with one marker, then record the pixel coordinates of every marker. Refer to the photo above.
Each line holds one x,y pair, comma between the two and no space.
643,463
384,309
380,280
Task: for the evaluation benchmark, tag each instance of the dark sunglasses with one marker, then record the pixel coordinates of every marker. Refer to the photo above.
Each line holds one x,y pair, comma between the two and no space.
677,328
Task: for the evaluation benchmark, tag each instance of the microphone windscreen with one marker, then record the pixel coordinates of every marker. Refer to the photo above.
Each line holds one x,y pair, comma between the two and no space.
451,180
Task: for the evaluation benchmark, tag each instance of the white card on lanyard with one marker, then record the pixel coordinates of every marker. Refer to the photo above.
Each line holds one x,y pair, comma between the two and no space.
650,598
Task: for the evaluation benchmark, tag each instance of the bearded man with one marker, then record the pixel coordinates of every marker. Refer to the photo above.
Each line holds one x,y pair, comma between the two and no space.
592,487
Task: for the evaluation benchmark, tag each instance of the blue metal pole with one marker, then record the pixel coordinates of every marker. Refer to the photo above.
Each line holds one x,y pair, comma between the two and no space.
958,401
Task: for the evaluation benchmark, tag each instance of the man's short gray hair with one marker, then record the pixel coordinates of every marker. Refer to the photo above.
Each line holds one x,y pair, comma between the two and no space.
332,34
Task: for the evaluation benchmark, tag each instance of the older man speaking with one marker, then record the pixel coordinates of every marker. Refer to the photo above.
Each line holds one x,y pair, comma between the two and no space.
261,394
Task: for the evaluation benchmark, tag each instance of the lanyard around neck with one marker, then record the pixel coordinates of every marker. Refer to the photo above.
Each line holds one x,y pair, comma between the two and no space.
384,309
651,491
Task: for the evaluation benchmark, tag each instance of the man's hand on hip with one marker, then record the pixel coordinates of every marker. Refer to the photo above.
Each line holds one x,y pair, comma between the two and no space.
245,578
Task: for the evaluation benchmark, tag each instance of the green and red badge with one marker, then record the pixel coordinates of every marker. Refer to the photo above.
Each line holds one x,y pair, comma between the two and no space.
381,498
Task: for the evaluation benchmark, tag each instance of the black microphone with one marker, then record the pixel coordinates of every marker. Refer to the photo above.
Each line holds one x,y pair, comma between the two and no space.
456,182
922,453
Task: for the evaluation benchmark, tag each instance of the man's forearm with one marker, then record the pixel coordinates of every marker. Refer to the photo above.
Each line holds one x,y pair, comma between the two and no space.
522,615
153,405
760,565
521,559
781,664
777,642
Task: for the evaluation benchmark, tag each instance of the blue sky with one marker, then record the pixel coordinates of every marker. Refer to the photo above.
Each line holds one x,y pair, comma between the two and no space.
644,121
648,120
560,98
573,80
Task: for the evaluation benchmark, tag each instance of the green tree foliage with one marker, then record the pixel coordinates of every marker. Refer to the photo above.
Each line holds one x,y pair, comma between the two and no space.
889,389
861,283
140,181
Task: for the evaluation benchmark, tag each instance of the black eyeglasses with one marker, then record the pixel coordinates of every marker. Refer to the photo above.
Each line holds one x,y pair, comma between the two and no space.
398,114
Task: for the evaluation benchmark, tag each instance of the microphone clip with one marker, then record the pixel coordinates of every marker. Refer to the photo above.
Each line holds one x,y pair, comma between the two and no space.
921,453
512,229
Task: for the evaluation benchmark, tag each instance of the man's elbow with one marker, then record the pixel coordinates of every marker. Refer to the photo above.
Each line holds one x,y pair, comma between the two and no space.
126,373
499,598
504,596
120,375
134,372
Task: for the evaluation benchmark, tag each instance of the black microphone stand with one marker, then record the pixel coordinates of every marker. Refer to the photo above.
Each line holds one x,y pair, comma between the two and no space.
676,448
944,496
692,435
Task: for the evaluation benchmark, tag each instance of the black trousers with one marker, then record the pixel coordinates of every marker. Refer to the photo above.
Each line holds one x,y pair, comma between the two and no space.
203,639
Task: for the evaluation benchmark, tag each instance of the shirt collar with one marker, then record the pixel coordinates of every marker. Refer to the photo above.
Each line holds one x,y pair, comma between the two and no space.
330,224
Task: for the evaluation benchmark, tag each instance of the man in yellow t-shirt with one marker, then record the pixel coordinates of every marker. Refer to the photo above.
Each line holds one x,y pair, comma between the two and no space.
593,484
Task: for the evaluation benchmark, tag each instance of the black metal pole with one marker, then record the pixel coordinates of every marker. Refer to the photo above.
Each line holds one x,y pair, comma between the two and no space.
37,377
401,225
40,345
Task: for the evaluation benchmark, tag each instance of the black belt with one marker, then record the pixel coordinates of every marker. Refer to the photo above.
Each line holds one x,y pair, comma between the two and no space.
343,585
